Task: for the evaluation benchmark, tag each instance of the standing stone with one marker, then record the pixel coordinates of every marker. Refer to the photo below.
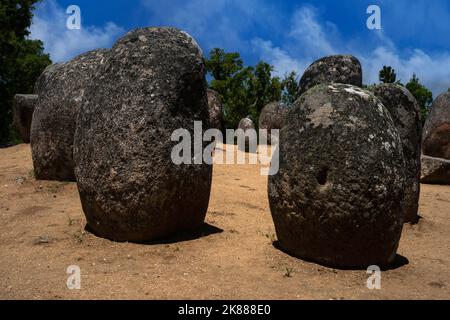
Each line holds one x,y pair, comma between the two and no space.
214,109
271,117
435,170
245,125
405,112
61,89
23,109
151,84
332,69
337,197
436,131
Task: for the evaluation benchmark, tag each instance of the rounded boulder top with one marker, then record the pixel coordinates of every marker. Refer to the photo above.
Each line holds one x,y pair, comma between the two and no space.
246,123
344,69
436,131
337,197
152,84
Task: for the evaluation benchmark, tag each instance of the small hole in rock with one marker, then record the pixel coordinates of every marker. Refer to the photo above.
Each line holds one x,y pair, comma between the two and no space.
321,176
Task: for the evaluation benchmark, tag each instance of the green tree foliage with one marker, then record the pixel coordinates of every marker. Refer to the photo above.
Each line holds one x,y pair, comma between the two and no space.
423,96
223,66
244,90
21,60
290,85
265,88
233,82
387,75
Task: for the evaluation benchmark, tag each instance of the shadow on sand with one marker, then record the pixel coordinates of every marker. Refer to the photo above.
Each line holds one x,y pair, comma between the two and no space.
202,231
399,261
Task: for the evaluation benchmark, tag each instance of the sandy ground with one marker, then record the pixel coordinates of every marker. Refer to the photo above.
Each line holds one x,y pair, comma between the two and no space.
232,257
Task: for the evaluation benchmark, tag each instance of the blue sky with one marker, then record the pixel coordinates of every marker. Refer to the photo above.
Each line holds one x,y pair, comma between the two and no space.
415,35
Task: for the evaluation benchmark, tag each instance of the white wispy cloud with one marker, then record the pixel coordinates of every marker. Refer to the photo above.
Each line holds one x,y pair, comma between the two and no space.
432,70
283,63
309,34
310,38
49,25
218,23
245,26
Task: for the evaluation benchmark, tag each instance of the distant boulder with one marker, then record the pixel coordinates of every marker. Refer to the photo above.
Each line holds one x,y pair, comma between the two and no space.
247,124
23,109
436,131
271,117
332,69
61,89
435,170
214,109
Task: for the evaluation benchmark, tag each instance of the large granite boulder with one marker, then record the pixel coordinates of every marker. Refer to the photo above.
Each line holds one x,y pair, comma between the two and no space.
250,141
271,117
436,131
61,89
337,197
332,69
23,109
215,109
435,170
405,112
151,84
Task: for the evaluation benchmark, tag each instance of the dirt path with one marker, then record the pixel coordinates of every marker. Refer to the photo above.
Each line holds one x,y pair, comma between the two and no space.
232,257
